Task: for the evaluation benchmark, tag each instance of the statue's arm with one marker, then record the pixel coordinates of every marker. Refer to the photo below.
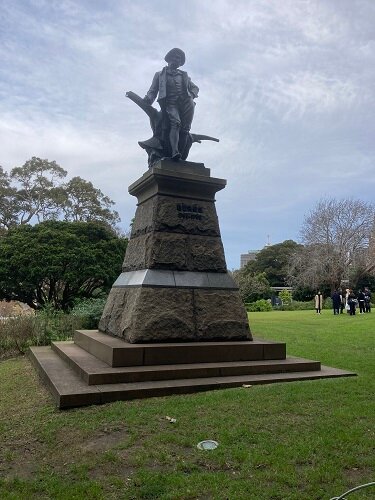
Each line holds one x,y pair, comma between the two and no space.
194,89
153,91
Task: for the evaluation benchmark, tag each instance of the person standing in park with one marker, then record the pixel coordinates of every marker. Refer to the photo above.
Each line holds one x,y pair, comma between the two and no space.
352,300
336,302
367,300
318,302
361,302
343,301
347,307
176,93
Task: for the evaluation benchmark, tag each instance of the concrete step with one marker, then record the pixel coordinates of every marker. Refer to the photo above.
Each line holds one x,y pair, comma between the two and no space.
95,371
116,352
69,390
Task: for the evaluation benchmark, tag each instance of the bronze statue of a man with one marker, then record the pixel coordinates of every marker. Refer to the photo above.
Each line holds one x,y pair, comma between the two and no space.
176,98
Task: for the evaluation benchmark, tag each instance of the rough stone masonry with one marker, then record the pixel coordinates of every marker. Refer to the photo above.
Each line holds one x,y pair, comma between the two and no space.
175,285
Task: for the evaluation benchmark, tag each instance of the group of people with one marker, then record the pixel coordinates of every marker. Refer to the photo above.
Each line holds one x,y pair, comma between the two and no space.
348,300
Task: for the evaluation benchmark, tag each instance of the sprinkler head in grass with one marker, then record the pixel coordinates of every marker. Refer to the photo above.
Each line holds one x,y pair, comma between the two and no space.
208,444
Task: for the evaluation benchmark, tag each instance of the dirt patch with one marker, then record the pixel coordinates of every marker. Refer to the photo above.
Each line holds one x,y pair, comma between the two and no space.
21,461
359,475
10,355
104,441
121,471
24,470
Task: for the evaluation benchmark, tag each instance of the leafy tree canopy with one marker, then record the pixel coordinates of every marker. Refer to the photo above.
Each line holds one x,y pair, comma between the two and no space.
8,210
56,262
37,192
83,202
273,260
252,286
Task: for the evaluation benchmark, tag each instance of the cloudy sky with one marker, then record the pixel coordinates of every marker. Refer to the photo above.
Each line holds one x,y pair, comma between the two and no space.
287,85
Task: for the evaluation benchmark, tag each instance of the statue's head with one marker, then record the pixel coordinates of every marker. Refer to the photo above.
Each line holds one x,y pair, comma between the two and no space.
175,57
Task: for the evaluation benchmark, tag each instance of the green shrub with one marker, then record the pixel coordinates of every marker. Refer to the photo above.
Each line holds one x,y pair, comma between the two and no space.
18,333
90,311
261,305
286,297
327,303
51,325
296,305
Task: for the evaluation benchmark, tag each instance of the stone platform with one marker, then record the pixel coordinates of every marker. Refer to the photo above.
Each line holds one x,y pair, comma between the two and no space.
96,368
174,321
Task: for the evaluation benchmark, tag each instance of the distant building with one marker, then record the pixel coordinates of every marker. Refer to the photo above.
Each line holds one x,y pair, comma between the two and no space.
248,257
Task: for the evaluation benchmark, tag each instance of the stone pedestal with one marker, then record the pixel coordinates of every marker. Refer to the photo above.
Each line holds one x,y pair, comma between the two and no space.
174,315
175,285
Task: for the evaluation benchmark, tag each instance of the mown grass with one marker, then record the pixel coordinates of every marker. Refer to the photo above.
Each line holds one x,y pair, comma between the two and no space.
301,440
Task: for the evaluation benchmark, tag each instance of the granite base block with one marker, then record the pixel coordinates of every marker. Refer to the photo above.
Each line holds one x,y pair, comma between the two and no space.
148,314
176,215
174,251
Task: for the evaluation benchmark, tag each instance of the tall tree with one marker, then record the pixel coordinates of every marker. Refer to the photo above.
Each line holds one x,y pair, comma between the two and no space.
8,211
273,261
56,262
336,235
36,192
252,286
84,202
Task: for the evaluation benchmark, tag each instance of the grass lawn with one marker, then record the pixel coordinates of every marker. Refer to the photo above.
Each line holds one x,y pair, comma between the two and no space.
301,440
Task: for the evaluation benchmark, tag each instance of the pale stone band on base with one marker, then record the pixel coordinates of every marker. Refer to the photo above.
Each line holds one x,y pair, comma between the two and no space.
177,279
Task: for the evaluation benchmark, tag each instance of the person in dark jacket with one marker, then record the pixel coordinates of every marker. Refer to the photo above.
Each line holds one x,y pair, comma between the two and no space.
352,300
367,300
336,302
361,302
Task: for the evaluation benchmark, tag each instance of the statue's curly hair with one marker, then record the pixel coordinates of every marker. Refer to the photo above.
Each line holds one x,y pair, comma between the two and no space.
176,51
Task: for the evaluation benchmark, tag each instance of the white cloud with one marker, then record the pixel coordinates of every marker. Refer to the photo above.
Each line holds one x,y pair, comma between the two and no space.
287,86
304,93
